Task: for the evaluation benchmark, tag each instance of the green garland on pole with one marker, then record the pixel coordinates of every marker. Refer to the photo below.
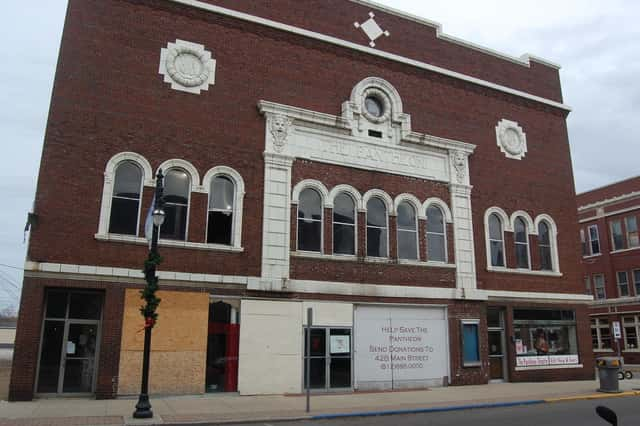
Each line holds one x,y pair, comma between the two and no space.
149,292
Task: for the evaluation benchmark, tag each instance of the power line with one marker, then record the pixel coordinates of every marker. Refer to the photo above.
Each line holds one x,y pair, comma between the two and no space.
12,267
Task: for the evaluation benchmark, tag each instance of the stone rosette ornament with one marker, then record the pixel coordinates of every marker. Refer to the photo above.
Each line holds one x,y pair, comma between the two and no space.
511,139
187,66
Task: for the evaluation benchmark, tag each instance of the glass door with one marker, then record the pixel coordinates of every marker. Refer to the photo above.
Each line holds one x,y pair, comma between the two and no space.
496,339
329,358
69,342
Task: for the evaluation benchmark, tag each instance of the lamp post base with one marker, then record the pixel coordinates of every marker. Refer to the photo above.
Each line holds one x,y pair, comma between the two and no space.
143,408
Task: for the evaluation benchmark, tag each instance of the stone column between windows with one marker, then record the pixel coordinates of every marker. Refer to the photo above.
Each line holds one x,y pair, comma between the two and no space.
463,236
276,223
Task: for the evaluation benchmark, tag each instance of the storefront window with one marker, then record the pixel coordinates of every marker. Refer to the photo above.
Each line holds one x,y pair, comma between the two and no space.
600,334
545,337
631,326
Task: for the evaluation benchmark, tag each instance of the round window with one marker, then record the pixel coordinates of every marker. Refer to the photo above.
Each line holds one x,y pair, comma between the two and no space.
374,106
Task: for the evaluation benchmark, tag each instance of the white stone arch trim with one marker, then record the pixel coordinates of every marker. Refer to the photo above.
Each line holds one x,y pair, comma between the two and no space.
187,167
377,84
147,172
506,226
443,206
109,180
238,200
314,184
531,230
379,193
553,238
413,201
338,189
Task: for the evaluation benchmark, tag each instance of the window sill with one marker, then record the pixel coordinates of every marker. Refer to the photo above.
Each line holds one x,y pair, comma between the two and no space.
316,255
167,243
624,250
429,264
603,351
592,255
524,271
548,367
631,350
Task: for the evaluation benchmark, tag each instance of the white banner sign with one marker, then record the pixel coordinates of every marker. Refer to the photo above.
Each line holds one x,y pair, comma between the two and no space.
536,361
617,334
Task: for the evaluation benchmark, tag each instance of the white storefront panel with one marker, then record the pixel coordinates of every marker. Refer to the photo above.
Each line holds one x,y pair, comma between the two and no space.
400,347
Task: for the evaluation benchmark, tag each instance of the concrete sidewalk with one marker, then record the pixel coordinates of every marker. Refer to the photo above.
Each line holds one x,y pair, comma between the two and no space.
223,408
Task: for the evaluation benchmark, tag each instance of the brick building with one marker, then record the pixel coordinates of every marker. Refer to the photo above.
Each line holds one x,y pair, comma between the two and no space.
611,259
408,186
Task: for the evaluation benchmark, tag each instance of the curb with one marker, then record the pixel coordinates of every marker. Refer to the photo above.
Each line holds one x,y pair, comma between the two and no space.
592,396
427,410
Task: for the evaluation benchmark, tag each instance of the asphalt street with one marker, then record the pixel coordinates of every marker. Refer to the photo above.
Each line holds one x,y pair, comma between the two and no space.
580,413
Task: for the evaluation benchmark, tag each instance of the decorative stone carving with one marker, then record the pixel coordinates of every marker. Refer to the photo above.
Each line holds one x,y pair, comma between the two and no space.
460,166
187,66
371,29
279,127
511,139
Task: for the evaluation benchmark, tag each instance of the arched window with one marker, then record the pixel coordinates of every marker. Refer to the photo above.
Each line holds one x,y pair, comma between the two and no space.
407,232
522,244
125,201
377,236
177,188
221,210
436,235
344,224
544,243
310,220
496,240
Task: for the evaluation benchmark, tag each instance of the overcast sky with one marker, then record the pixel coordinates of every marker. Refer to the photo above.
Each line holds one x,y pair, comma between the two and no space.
596,42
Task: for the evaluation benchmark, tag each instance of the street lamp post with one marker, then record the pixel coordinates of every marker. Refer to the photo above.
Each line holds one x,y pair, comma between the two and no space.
143,407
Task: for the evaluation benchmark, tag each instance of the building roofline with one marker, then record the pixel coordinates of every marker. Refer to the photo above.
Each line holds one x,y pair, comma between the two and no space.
524,60
365,49
597,188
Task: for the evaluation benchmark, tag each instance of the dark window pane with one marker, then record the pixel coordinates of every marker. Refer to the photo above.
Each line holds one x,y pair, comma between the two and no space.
177,186
340,373
221,195
407,245
309,205
376,212
219,227
522,256
543,234
124,216
406,217
128,180
309,235
377,242
343,209
495,227
545,258
56,304
175,222
520,231
318,373
435,222
52,336
497,253
543,315
85,306
318,342
493,318
595,247
344,239
436,248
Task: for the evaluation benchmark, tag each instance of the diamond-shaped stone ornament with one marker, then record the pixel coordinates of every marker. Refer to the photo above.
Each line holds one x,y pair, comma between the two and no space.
371,29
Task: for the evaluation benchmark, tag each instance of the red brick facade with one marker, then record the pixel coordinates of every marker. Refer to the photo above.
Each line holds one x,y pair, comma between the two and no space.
108,98
601,208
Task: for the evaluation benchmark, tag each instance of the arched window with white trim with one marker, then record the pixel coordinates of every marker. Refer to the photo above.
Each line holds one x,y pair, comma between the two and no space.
344,224
125,202
220,214
177,191
544,245
521,237
407,231
436,235
377,228
496,240
310,220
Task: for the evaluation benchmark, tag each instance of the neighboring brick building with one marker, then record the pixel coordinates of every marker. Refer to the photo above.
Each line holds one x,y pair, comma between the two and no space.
611,259
410,187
